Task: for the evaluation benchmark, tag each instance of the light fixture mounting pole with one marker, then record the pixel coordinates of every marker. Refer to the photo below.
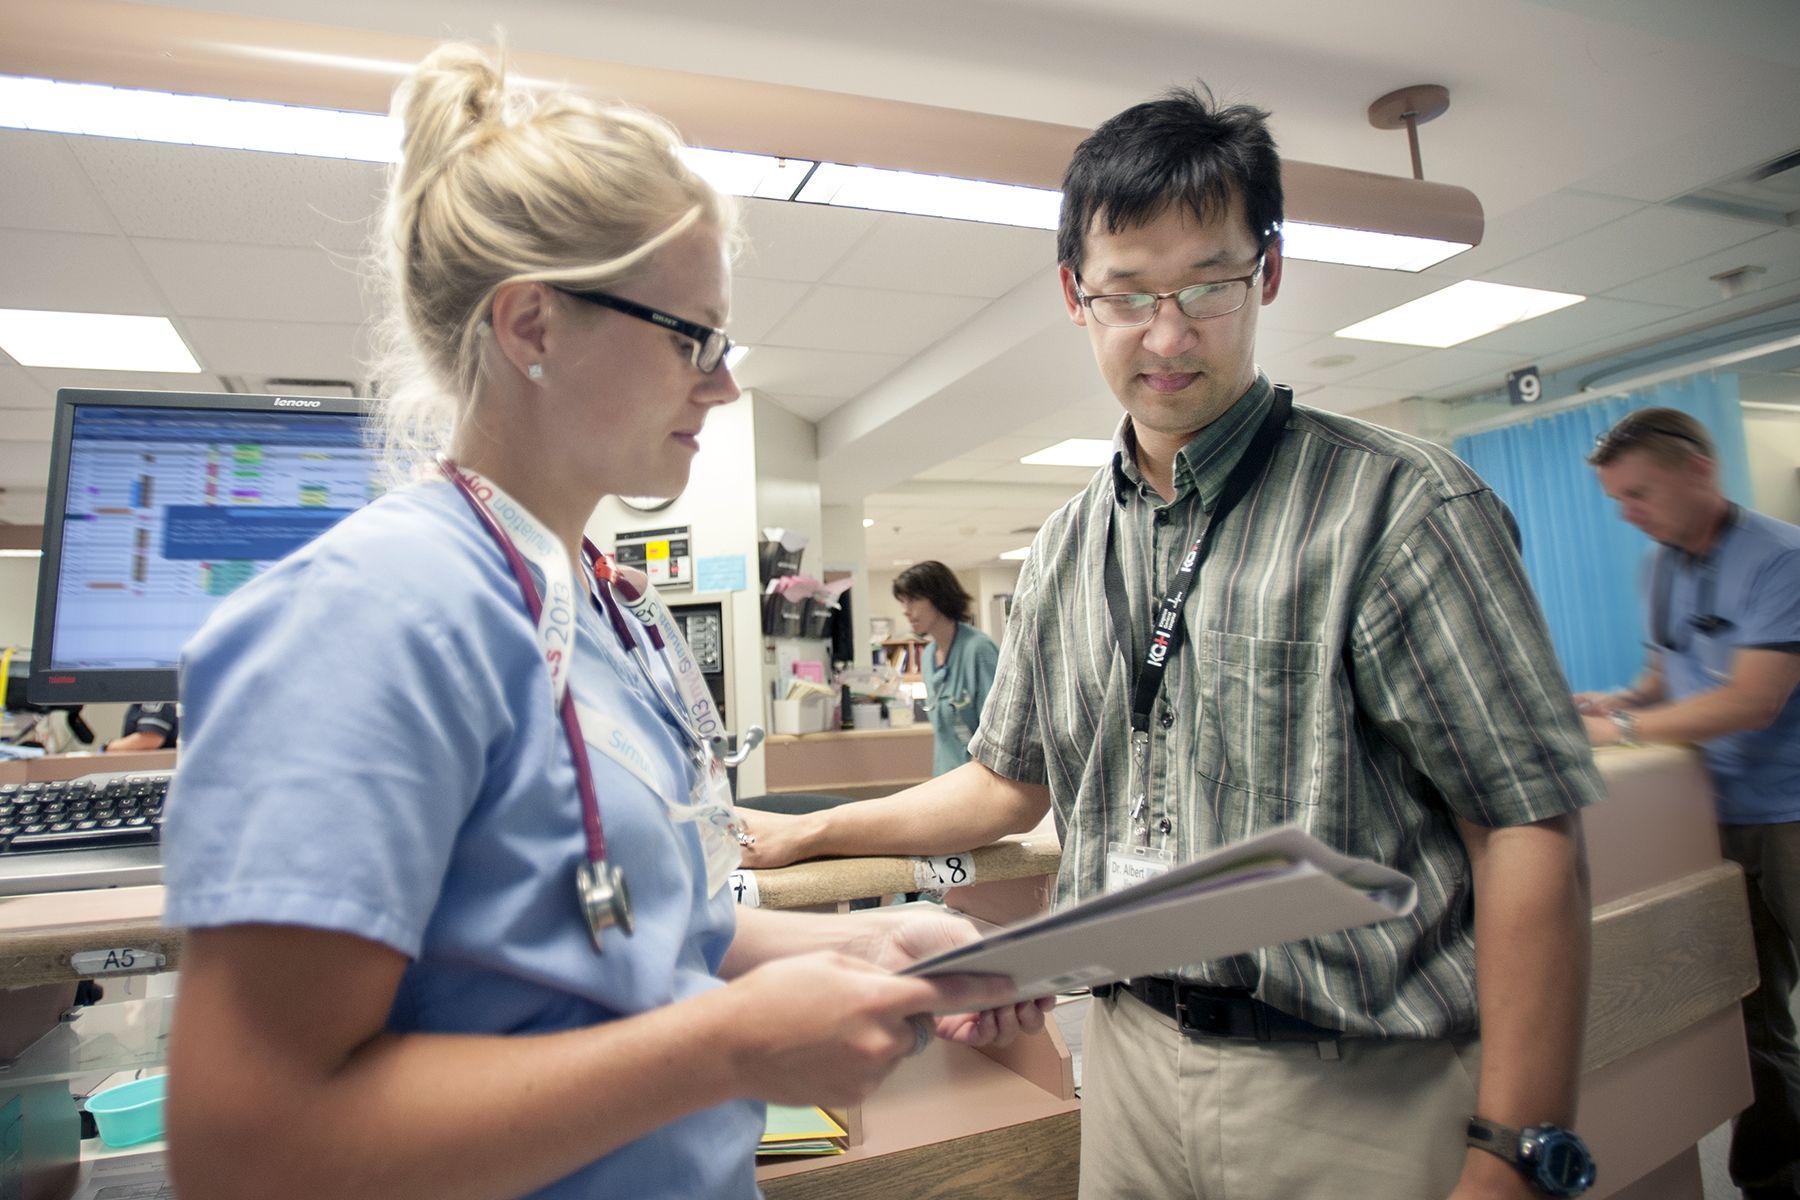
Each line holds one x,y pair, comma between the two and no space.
1411,107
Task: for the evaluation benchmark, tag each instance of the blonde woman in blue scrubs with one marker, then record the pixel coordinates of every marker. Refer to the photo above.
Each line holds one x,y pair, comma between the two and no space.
411,968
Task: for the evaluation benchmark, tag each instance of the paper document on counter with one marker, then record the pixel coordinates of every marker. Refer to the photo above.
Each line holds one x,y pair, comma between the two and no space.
1275,887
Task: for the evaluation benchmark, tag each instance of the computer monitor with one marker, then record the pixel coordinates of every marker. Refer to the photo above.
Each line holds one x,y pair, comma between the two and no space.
160,505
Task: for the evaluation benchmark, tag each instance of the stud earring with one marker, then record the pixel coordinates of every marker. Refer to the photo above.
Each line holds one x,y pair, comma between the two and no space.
535,371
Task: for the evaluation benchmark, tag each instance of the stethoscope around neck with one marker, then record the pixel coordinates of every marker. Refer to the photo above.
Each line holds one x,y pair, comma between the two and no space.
600,885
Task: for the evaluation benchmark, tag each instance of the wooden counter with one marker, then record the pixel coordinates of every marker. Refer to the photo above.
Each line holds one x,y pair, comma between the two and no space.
860,763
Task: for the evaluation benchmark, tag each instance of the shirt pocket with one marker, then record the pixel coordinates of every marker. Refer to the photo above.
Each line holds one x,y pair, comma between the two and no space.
1262,717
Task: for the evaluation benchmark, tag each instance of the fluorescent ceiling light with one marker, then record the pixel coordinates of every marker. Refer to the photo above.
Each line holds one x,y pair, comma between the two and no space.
868,522
94,341
1073,452
21,554
51,106
1457,313
1023,552
1364,247
736,355
931,196
748,174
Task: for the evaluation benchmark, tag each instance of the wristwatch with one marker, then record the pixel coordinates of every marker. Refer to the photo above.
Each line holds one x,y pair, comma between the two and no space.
1552,1158
1626,722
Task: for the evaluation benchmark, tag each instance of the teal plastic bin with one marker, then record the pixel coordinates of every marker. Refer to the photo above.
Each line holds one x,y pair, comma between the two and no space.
130,1113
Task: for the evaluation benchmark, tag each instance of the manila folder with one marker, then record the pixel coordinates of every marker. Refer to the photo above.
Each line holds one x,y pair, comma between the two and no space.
1276,887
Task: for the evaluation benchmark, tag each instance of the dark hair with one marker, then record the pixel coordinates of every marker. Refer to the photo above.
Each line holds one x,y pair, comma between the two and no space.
1668,435
1182,149
932,580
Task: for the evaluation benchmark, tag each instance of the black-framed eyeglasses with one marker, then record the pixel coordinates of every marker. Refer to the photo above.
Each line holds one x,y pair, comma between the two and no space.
1197,302
1628,433
710,346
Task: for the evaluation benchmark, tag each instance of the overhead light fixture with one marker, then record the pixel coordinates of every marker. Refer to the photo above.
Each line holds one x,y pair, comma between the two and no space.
868,522
52,106
1364,247
738,174
931,195
1023,552
94,341
1334,215
21,554
736,355
1073,452
1457,313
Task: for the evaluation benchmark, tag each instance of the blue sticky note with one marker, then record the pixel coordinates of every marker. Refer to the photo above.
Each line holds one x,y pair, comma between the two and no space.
721,573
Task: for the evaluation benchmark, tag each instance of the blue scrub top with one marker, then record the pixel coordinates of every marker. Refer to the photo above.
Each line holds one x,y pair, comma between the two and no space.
1750,584
956,692
428,803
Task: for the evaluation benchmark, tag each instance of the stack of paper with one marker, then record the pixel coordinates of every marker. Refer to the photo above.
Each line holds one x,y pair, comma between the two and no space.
1275,887
794,1132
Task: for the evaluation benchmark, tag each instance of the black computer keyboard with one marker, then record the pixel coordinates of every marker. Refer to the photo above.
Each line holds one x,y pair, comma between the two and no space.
120,808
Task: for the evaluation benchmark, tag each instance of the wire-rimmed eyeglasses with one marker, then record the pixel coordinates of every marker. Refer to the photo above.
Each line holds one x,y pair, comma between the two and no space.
1197,302
709,345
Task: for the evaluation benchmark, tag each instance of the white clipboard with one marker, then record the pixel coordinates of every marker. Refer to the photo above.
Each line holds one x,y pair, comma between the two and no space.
1275,887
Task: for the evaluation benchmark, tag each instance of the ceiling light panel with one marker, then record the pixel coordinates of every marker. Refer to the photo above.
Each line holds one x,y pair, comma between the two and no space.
52,106
932,196
1364,247
1072,452
94,341
1458,313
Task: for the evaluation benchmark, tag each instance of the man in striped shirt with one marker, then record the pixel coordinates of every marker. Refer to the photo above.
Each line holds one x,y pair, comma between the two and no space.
1357,652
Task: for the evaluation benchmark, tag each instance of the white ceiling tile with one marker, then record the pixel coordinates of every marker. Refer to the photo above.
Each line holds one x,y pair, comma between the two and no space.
788,371
811,408
1439,370
19,390
1531,227
798,242
952,258
198,193
1310,363
259,349
42,187
1646,242
258,283
1322,298
73,272
878,322
1691,286
758,305
25,465
25,424
130,381
1343,398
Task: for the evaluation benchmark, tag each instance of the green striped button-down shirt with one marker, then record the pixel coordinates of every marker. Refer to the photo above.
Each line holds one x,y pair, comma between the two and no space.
1363,657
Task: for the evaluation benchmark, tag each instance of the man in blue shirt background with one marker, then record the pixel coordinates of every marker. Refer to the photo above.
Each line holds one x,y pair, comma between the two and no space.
1723,598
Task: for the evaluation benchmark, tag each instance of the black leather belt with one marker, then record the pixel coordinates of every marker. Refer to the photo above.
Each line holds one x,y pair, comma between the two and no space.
1222,1013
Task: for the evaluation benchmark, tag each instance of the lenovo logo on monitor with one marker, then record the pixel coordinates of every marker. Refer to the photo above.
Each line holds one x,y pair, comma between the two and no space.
290,402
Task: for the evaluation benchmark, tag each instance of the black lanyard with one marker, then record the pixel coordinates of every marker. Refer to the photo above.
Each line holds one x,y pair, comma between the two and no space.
1166,630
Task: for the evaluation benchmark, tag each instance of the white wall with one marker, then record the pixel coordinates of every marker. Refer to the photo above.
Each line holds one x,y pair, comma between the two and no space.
719,507
1774,443
989,583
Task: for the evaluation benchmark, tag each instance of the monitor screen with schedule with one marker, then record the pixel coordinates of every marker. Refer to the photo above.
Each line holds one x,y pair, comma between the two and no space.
160,505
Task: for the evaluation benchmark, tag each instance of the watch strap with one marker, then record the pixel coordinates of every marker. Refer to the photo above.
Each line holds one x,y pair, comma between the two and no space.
1495,1138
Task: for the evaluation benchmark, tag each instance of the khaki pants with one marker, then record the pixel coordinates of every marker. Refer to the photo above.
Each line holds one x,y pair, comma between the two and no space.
1165,1116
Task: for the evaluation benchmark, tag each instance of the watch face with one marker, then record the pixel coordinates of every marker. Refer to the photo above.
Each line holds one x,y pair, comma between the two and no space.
1562,1164
646,504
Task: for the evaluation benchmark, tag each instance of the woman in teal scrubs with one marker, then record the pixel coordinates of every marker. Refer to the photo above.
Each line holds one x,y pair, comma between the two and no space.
959,671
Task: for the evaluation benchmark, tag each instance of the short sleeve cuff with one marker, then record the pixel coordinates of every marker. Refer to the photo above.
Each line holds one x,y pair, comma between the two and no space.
1018,768
285,906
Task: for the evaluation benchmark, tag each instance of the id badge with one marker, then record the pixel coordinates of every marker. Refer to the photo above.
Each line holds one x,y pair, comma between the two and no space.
717,823
1129,865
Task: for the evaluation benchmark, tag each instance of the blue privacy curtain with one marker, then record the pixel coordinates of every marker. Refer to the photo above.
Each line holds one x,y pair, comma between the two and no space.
1582,557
